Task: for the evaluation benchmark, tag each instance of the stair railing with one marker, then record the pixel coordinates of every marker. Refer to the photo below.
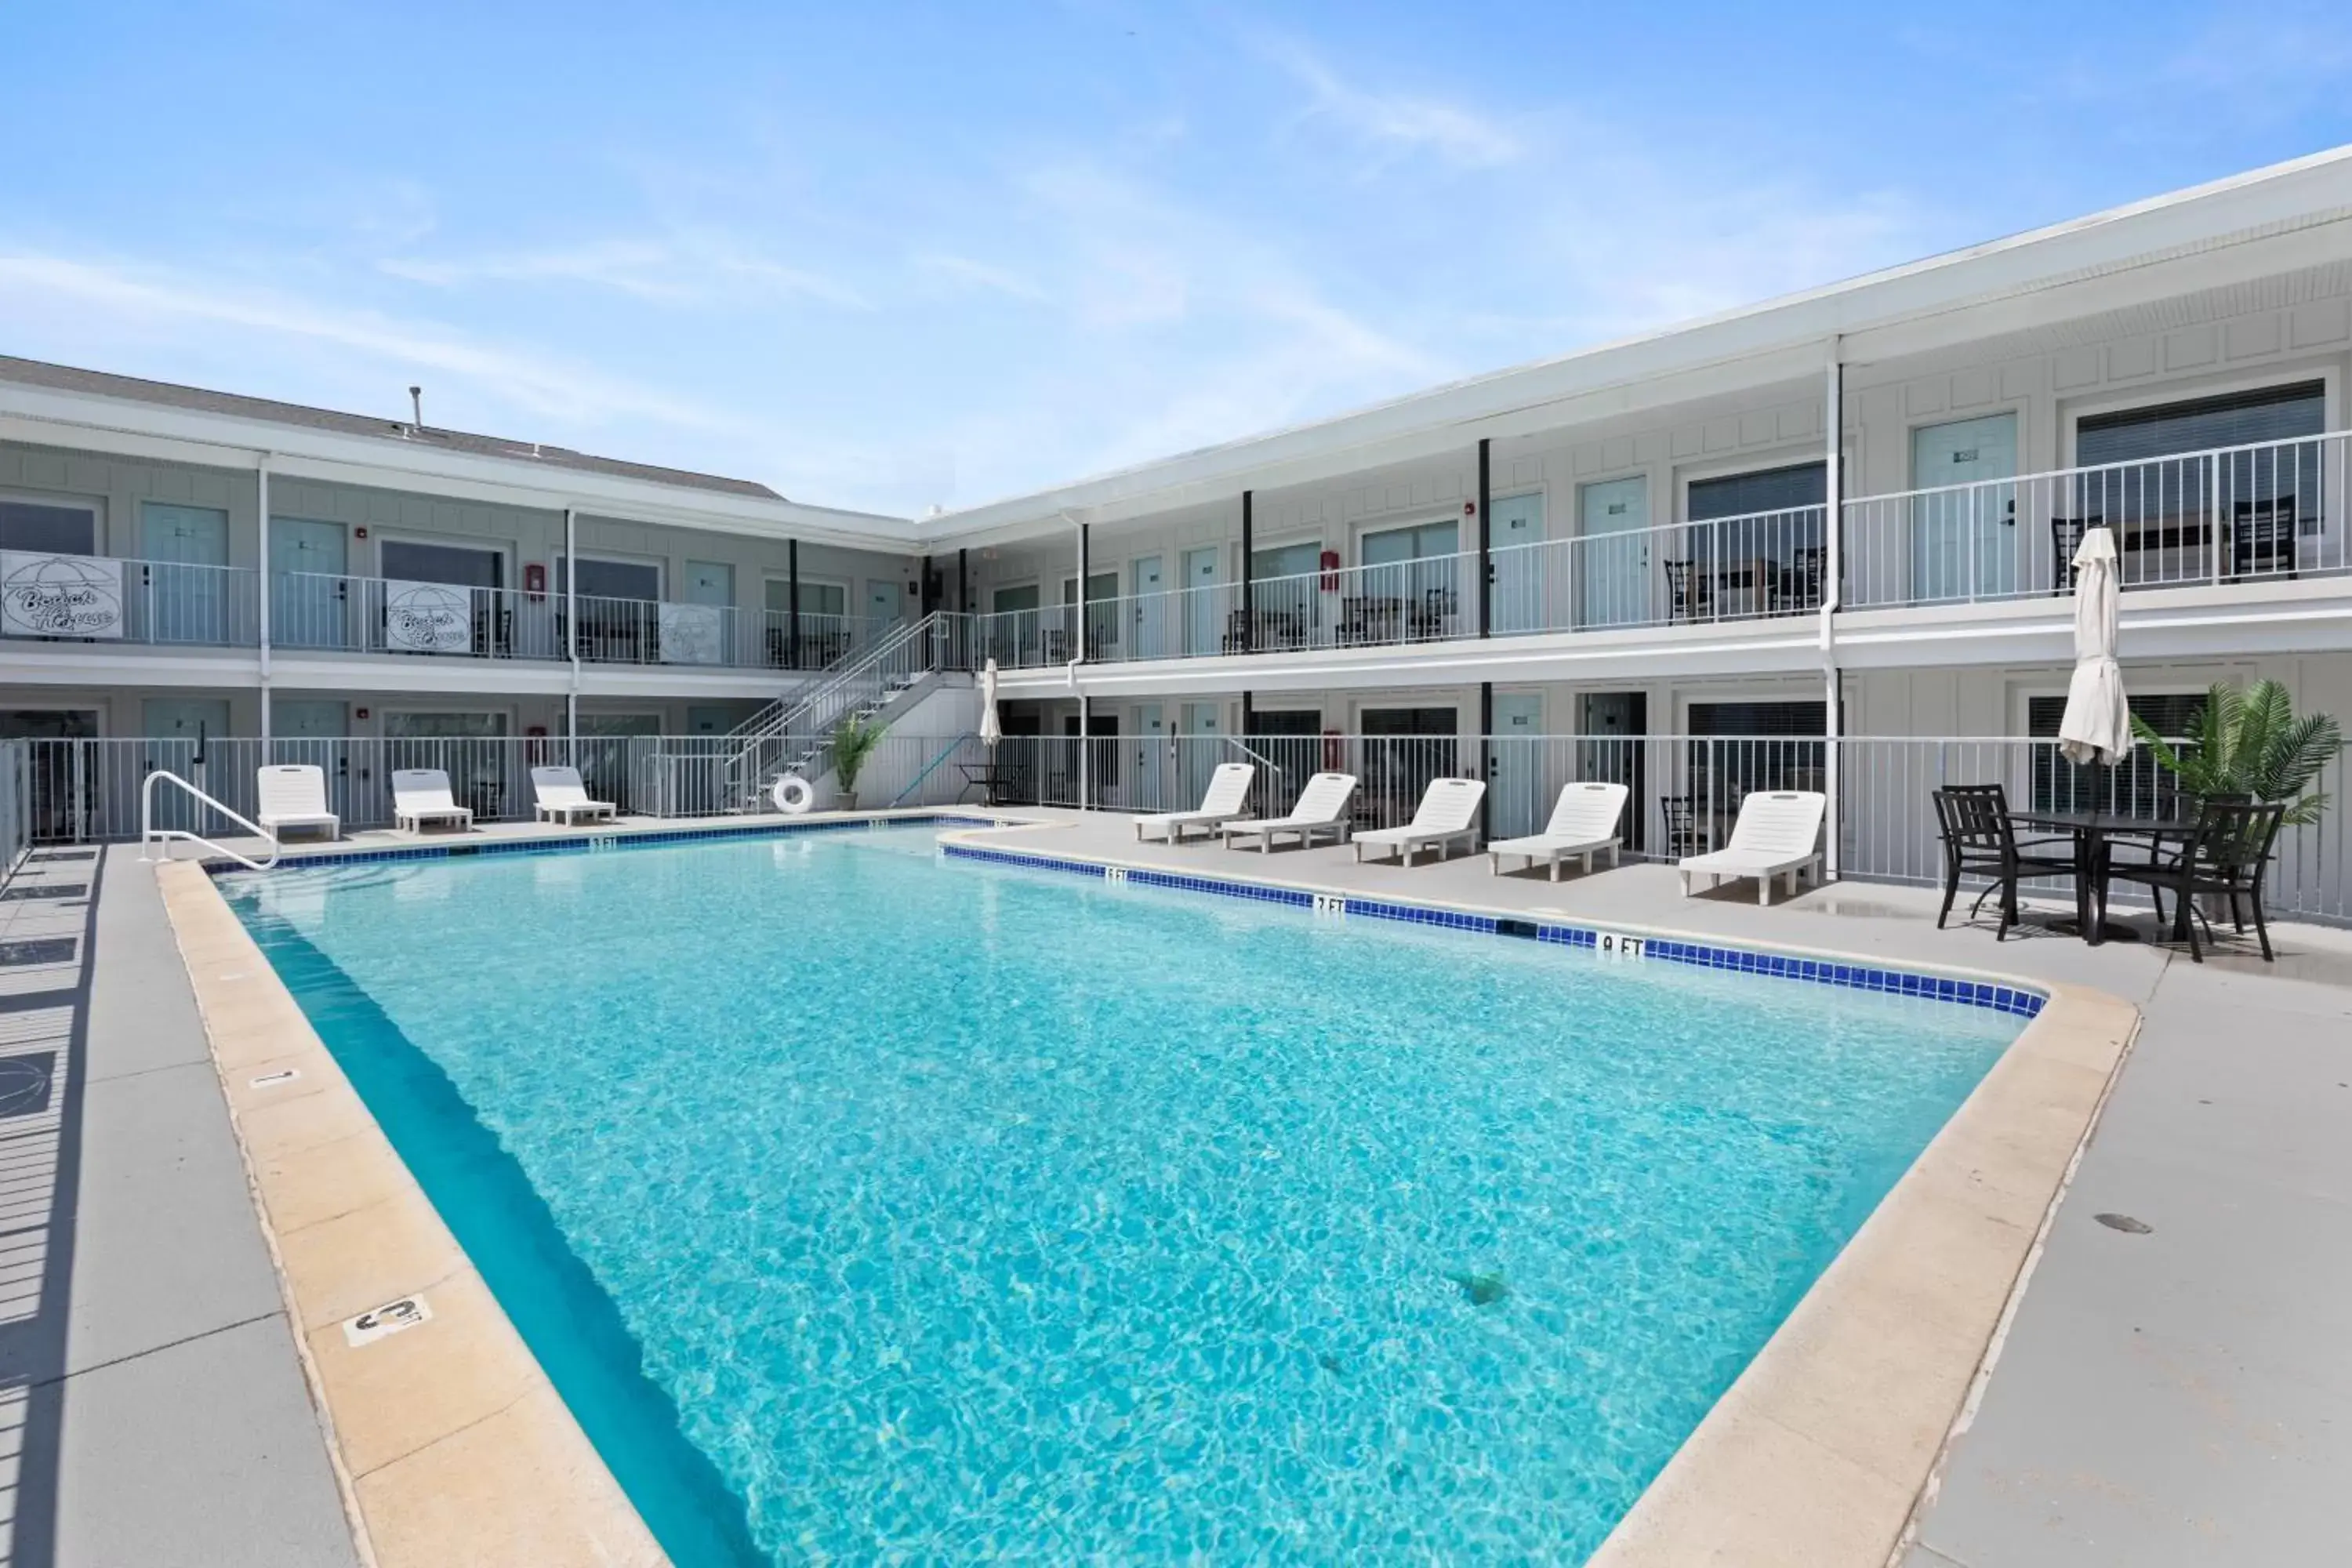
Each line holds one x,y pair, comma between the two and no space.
150,834
796,734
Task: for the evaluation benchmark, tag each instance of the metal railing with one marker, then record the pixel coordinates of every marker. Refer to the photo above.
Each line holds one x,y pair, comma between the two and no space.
88,598
78,791
373,614
150,833
1747,567
792,736
16,804
2269,509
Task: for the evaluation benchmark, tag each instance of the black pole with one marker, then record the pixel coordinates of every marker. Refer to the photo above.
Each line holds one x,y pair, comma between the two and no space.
1485,560
1086,570
1249,617
1486,709
964,580
1246,715
792,612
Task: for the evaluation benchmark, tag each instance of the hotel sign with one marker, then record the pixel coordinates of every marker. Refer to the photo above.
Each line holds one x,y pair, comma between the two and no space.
59,596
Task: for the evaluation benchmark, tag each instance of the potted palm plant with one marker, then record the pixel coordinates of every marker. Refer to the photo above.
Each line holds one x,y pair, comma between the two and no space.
854,740
2248,744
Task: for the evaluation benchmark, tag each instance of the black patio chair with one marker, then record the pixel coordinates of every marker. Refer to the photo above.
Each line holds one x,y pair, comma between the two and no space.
1974,823
2065,538
2227,856
1691,590
2263,537
1682,826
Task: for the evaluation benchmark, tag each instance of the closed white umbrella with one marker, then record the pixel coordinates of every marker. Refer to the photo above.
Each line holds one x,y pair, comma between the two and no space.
990,732
2097,725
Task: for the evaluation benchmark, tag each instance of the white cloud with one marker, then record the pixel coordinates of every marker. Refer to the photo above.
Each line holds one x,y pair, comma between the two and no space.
685,266
981,275
1396,122
35,284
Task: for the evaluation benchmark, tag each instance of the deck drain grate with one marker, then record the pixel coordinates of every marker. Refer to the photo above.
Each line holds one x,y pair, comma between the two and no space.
51,857
67,890
42,949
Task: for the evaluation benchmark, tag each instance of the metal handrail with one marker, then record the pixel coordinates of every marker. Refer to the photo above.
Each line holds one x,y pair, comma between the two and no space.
1279,771
933,765
150,833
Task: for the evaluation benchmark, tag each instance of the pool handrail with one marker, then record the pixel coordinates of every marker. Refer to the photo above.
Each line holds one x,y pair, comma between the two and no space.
149,834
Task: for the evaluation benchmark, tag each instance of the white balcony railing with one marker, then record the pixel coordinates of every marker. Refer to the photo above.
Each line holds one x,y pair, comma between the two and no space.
101,599
2273,509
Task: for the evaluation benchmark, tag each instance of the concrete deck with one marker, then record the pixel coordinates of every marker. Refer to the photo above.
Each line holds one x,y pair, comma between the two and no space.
151,1409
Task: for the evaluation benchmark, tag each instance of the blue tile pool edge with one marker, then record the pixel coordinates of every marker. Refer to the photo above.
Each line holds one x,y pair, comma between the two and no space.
2017,999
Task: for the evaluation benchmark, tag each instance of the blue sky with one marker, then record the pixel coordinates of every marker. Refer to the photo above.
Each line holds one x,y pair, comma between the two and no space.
892,256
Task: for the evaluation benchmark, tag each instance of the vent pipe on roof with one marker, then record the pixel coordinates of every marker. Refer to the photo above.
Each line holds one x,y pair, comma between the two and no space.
417,407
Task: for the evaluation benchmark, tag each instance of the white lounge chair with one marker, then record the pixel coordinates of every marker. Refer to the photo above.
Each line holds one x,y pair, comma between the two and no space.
294,795
420,796
559,796
1223,801
1322,809
1778,832
1448,814
1583,824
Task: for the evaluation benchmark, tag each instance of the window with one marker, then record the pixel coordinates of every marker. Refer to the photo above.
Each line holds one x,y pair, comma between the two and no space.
1749,746
1286,561
614,579
445,727
1418,542
1100,586
2137,786
456,564
2273,413
48,528
1775,536
1767,489
816,598
1012,601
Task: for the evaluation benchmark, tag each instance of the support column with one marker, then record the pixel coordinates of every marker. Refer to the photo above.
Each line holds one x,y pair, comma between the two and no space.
792,610
1832,578
1249,616
964,580
572,633
1486,709
1086,741
1086,610
261,497
1485,560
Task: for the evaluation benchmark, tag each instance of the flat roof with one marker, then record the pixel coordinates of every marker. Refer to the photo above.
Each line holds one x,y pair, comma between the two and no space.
169,394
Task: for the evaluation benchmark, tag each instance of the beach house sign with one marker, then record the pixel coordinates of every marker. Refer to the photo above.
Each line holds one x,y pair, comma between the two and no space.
59,596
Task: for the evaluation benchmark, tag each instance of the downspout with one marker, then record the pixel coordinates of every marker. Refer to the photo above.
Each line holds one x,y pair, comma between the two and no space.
1078,651
1485,620
261,496
1832,577
572,636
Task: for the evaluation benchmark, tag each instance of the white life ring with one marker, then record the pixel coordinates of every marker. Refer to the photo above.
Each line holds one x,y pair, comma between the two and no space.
791,795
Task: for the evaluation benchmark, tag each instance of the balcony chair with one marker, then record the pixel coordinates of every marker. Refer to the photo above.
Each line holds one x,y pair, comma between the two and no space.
1800,579
1682,825
1691,590
2065,538
1973,822
2227,856
2263,537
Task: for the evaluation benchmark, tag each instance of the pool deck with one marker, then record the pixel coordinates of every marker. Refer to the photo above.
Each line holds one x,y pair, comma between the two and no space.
2174,1396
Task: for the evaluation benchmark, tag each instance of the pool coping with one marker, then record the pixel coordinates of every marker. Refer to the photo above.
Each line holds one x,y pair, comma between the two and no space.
1818,1456
448,1441
1827,1445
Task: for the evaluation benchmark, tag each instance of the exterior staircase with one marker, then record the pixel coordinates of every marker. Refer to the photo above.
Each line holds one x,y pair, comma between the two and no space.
794,735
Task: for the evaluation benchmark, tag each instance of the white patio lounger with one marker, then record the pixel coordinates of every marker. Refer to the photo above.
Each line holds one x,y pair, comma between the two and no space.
1448,814
1583,824
1779,831
294,795
561,797
1223,801
420,796
1322,809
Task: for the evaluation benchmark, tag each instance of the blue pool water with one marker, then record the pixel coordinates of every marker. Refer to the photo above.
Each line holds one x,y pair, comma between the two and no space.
866,1207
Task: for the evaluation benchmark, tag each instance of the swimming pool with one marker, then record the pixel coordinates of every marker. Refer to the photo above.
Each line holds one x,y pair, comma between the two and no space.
862,1204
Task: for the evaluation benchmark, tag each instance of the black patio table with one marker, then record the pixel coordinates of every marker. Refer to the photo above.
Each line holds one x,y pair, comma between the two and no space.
2091,830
